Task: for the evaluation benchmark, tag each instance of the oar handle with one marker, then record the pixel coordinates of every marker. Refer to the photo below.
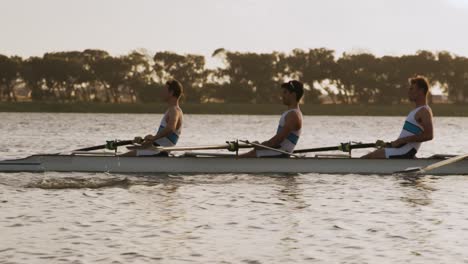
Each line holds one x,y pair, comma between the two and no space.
382,144
363,146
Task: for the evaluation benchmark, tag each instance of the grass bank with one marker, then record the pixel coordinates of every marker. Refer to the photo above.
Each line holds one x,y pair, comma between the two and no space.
239,109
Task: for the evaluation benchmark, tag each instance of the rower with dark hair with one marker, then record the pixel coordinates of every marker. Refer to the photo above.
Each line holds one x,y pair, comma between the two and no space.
170,128
290,125
418,126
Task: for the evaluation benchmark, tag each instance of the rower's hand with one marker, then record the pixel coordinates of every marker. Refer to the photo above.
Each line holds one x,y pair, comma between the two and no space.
137,140
398,143
149,137
147,143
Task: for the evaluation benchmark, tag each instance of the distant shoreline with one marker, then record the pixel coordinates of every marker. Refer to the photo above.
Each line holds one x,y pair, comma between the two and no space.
234,109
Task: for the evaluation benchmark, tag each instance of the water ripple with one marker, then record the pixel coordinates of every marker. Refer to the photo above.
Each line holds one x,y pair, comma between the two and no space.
301,218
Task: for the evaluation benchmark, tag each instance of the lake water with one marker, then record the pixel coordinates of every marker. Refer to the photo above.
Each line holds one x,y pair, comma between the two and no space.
305,218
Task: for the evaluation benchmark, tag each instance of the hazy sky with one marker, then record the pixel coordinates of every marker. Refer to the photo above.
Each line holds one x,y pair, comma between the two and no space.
32,27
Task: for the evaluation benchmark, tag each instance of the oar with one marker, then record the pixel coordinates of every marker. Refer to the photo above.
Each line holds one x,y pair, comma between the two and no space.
345,147
231,146
433,166
208,154
112,145
272,149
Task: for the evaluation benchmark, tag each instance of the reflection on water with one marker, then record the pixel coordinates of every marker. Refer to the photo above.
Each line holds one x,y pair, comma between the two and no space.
232,218
416,191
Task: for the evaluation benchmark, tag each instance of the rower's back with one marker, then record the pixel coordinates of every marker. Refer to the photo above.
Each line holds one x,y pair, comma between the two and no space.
418,126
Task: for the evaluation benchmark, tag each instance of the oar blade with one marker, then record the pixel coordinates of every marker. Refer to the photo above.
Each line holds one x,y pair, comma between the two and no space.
433,166
444,162
411,170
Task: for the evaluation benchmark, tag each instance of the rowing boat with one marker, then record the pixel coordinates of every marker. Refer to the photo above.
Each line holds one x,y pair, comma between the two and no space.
94,162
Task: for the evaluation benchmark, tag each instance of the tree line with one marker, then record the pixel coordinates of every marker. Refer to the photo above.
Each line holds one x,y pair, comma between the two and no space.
243,77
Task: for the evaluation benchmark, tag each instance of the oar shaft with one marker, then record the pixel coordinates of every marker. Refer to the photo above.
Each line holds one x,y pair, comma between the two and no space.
443,163
214,147
118,143
268,148
207,154
433,166
341,148
317,149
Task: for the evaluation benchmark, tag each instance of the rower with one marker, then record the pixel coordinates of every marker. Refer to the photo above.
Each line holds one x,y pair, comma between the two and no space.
290,124
418,126
170,127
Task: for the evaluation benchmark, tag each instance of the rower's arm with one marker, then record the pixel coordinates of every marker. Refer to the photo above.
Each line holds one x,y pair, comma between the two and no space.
172,117
292,122
424,118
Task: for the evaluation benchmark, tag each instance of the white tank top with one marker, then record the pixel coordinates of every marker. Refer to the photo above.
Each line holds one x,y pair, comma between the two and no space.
290,142
171,139
412,127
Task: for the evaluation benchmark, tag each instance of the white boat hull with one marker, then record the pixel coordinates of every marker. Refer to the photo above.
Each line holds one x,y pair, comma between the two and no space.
116,164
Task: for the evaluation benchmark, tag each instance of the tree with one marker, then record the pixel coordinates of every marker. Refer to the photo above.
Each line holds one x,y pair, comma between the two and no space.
148,92
245,77
9,73
311,67
32,73
140,81
188,69
453,75
95,89
356,78
112,72
391,82
249,76
64,73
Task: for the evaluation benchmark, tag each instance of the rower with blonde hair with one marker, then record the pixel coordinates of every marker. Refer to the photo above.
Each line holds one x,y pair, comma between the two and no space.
418,126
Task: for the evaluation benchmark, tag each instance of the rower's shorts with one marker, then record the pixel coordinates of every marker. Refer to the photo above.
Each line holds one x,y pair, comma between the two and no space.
405,152
150,152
